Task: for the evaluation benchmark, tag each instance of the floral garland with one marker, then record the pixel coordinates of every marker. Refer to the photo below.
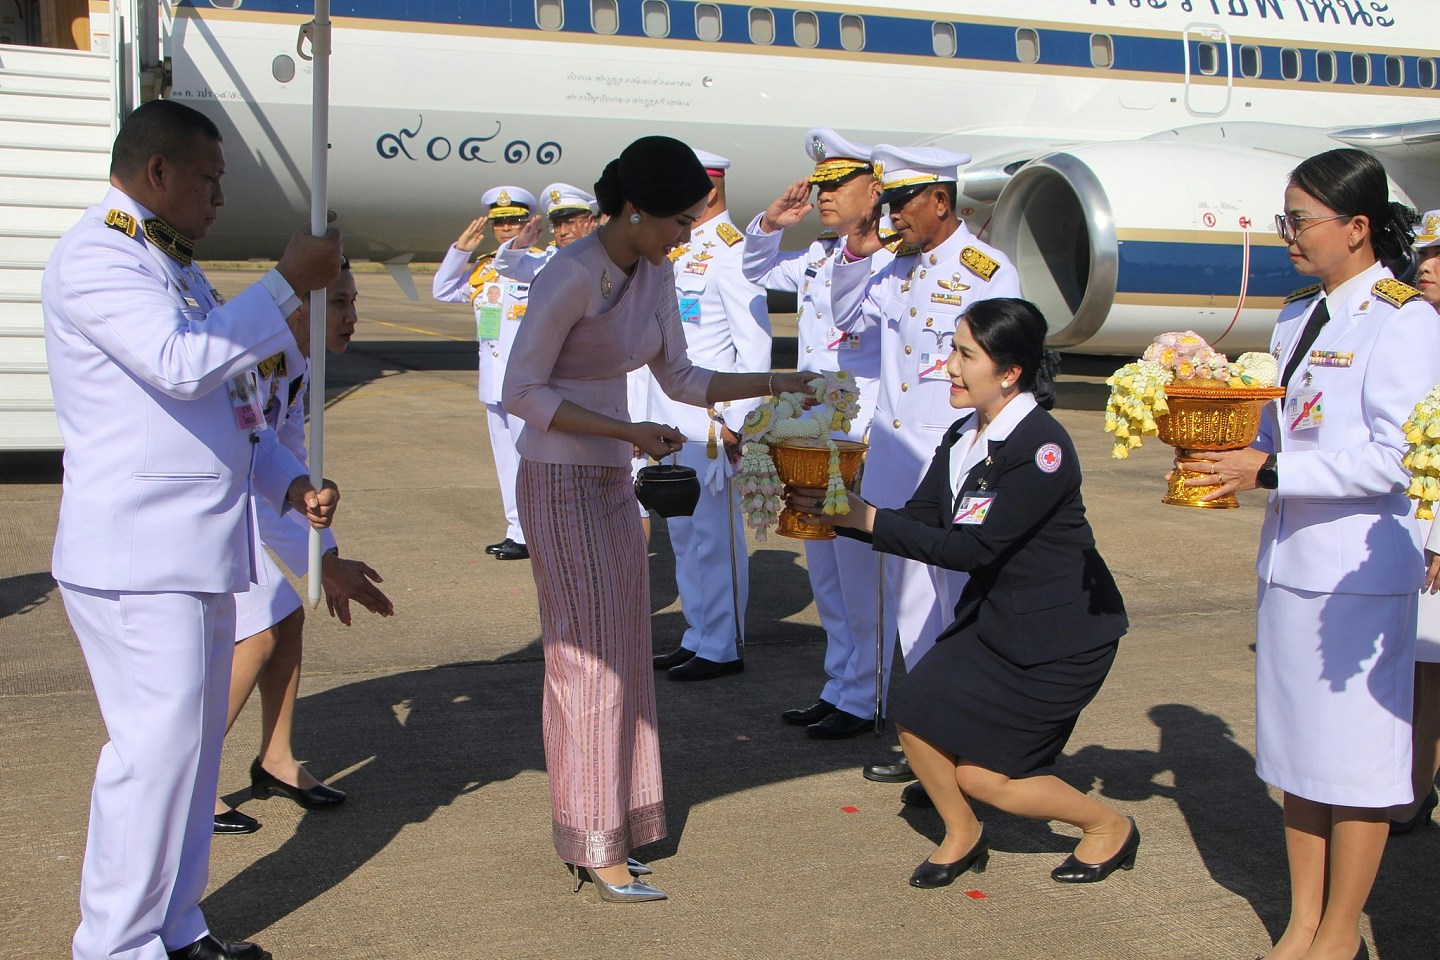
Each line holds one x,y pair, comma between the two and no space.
1422,432
1137,390
783,418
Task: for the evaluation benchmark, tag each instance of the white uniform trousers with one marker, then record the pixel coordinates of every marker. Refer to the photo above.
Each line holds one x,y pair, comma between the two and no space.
504,431
702,545
160,665
261,607
845,578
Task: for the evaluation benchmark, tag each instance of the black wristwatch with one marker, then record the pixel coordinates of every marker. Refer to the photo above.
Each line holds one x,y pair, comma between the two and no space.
1267,476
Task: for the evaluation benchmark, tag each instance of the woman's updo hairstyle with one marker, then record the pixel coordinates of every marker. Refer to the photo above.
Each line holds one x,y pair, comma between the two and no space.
659,175
1352,183
1012,332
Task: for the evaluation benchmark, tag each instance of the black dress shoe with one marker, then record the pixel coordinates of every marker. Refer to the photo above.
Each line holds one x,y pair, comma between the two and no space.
915,795
263,784
211,949
495,548
930,875
1077,871
664,661
814,713
1422,816
512,551
233,821
894,769
839,725
698,668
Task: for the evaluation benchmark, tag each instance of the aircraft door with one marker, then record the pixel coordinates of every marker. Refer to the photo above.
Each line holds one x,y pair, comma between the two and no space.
1208,70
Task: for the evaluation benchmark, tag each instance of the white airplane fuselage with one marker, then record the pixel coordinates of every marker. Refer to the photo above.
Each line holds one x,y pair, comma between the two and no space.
1149,205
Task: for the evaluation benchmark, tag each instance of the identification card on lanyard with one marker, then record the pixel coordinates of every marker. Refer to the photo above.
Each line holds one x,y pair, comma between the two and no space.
1305,410
245,401
932,366
838,339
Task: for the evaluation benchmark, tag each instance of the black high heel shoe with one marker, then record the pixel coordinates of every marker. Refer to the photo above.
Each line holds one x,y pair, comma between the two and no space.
930,875
1078,871
1422,816
263,784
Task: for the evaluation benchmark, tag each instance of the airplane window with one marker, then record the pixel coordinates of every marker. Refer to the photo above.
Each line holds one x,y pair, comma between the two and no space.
655,14
1325,66
1290,63
1426,69
707,21
852,32
1027,45
1250,61
1102,51
942,39
762,25
1395,71
549,14
605,16
807,29
1208,59
1360,69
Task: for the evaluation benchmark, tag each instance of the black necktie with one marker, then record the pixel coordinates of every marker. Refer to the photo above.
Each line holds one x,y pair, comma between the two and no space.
1318,318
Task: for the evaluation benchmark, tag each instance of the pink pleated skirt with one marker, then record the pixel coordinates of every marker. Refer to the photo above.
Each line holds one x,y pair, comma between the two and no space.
602,747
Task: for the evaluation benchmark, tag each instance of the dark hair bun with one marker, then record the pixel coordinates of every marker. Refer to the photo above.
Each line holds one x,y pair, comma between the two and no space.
607,190
659,175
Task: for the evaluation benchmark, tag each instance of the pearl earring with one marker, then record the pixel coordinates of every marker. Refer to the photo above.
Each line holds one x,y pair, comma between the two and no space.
1005,384
634,218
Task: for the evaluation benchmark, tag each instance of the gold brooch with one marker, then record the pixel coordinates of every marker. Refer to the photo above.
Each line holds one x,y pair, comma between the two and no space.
605,285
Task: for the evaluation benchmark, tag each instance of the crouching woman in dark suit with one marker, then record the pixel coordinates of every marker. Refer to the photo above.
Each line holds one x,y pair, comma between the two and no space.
986,712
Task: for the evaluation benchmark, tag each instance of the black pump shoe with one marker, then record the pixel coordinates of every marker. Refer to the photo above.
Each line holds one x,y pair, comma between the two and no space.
263,784
233,821
1422,816
1078,871
930,875
208,948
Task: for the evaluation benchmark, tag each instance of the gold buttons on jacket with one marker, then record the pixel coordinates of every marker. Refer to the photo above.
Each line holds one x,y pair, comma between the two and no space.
897,423
904,387
909,349
913,311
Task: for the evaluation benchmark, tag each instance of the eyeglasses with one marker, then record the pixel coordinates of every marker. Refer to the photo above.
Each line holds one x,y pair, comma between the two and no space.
1288,225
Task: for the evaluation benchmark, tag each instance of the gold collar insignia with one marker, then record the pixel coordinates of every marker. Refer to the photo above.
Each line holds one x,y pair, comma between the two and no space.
175,244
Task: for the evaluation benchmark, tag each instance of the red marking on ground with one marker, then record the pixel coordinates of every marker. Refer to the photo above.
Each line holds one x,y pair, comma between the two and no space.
742,738
974,894
850,809
472,561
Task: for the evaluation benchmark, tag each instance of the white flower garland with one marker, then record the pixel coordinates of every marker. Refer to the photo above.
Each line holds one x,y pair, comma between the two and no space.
783,418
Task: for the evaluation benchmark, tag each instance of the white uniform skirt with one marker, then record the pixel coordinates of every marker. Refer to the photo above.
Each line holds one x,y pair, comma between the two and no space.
1334,692
261,607
1427,634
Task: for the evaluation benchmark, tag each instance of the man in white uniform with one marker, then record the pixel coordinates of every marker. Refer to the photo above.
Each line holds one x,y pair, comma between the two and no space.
843,572
942,269
164,443
727,328
499,305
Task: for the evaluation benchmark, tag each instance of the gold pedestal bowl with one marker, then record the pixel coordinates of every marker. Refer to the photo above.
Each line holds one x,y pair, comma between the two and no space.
806,463
1210,418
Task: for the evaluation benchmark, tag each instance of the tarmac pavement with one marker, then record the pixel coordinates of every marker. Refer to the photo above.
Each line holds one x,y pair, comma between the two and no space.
777,847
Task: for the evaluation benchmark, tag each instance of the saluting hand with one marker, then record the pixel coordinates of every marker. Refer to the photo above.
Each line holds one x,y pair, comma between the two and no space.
528,234
317,505
471,236
788,209
309,262
346,580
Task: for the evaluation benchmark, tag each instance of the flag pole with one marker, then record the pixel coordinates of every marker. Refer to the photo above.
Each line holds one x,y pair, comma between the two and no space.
319,215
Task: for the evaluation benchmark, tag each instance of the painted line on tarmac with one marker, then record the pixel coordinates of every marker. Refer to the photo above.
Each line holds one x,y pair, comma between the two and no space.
428,333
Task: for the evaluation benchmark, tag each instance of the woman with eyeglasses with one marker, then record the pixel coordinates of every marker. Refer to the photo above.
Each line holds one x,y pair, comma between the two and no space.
1339,564
1426,740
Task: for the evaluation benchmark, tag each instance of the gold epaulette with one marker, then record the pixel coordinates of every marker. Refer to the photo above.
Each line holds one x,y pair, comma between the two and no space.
905,250
271,366
1304,293
1394,292
828,235
729,234
891,241
978,263
122,221
483,271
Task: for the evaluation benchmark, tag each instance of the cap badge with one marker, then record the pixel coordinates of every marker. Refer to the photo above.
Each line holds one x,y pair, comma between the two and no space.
504,199
554,196
817,147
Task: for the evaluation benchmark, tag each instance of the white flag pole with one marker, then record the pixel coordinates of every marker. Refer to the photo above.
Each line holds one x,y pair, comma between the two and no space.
319,215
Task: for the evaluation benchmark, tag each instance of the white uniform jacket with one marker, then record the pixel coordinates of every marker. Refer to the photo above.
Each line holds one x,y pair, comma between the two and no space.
158,474
284,380
726,323
919,297
457,280
522,266
1339,521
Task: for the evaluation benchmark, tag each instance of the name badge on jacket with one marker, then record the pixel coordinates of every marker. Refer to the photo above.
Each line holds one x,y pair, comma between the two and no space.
245,401
932,366
1305,410
973,509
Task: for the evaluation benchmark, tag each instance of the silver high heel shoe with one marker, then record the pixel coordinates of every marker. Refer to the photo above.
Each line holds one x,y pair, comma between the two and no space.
636,868
636,891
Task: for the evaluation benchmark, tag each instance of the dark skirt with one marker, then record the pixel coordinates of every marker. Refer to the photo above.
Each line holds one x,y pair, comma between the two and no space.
968,700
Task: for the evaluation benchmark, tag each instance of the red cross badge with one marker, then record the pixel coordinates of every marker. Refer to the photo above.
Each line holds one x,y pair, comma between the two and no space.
1047,458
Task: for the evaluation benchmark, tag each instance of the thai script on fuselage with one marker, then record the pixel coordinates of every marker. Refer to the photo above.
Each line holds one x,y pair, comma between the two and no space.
481,148
1355,13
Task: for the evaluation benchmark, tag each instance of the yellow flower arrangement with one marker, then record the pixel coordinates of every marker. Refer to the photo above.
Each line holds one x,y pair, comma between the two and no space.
1422,432
1137,397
